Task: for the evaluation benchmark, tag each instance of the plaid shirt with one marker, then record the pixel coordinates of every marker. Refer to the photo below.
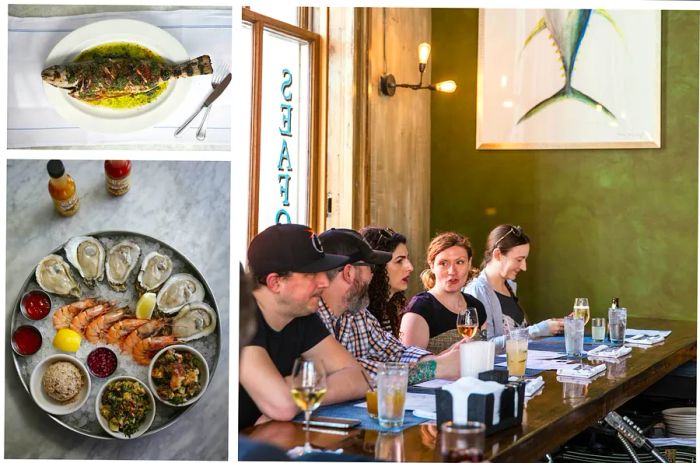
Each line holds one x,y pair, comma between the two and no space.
363,336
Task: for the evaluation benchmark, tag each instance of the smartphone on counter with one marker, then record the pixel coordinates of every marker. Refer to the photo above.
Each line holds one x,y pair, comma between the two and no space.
342,423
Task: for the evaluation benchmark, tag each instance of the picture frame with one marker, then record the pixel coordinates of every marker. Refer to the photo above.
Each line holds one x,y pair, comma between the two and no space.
530,97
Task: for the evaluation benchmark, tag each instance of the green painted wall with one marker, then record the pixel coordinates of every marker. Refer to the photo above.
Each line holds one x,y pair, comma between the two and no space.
603,223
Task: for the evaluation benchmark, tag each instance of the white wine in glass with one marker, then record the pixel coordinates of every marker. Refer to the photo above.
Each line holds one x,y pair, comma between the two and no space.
308,389
582,310
468,322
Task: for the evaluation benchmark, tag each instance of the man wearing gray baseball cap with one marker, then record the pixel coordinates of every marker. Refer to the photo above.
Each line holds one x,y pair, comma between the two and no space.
288,263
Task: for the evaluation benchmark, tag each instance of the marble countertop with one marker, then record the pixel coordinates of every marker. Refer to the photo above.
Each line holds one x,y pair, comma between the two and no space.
184,204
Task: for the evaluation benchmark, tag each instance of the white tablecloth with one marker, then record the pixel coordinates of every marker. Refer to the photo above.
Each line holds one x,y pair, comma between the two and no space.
32,122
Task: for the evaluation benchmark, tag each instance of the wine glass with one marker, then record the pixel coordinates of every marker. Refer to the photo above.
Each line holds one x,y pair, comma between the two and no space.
308,389
582,310
468,322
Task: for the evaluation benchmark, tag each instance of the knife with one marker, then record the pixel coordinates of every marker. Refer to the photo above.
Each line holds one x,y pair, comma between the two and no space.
210,99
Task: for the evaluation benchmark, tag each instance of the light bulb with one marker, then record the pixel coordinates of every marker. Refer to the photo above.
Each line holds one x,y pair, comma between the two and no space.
423,52
448,86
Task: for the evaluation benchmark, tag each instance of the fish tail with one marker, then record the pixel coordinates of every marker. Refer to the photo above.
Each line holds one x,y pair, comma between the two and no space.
195,67
567,92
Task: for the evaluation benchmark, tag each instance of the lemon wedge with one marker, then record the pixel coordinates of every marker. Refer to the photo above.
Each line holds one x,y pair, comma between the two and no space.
145,306
67,340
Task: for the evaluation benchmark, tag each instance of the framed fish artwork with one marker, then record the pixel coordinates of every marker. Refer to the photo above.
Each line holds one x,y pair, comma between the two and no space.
568,79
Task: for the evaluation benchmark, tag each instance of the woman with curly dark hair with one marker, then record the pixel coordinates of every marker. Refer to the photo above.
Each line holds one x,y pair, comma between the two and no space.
386,290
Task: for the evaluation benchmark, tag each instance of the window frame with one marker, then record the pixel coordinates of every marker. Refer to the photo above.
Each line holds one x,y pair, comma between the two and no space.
258,24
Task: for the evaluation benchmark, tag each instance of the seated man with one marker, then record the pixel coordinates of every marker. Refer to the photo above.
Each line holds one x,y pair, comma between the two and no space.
343,309
287,263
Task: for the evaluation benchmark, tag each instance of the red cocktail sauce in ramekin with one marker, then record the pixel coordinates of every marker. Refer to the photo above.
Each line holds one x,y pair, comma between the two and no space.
36,305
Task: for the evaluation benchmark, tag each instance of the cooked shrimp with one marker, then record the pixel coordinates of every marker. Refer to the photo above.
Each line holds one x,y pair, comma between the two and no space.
147,329
96,331
146,348
121,329
81,321
63,315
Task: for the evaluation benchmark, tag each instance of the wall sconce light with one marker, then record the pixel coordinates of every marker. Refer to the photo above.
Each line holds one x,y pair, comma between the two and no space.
387,83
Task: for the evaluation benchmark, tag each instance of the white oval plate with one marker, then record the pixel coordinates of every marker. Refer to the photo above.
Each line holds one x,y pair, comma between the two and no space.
102,119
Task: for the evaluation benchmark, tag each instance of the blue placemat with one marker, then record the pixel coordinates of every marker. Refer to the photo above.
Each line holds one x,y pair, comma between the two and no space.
348,410
556,344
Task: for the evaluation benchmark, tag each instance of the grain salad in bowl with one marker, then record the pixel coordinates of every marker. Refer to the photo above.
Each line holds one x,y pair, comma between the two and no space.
178,375
125,407
60,384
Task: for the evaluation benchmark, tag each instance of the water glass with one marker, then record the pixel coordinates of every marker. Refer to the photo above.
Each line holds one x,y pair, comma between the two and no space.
573,336
617,324
462,442
392,382
598,329
516,351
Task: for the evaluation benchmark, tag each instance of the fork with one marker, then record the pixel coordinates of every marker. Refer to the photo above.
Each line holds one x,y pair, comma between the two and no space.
215,81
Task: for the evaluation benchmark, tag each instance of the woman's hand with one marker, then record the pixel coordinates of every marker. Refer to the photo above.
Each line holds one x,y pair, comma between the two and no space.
556,326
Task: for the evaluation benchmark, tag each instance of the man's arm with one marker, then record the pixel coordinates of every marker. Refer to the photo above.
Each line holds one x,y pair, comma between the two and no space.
343,374
265,385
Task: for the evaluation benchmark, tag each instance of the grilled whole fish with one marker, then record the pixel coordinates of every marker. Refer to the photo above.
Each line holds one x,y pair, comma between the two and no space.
113,77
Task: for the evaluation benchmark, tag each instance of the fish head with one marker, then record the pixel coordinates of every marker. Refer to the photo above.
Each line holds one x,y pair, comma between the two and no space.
59,76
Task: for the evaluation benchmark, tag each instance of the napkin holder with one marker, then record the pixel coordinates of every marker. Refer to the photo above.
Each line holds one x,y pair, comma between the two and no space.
480,406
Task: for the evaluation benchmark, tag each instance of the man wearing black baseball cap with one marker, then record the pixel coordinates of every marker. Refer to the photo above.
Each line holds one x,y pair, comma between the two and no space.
343,309
287,262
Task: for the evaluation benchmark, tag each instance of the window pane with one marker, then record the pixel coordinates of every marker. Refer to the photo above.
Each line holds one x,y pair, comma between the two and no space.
242,141
286,13
284,144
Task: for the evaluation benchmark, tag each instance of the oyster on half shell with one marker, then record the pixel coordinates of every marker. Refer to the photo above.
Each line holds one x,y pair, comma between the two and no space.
54,276
155,269
121,260
194,321
180,289
87,255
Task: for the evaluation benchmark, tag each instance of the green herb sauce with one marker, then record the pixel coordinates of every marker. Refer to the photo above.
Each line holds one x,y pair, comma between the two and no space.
123,50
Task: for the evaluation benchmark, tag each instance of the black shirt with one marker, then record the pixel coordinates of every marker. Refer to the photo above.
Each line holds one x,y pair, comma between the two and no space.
439,317
300,335
510,308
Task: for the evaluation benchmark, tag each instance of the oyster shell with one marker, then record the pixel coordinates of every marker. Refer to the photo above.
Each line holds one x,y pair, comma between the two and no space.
121,260
155,269
88,256
54,276
180,289
194,321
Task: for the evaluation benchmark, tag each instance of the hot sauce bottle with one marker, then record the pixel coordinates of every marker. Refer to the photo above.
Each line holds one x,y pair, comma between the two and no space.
117,175
62,189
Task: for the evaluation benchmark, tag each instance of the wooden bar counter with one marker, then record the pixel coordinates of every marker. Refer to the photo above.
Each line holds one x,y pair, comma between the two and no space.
556,414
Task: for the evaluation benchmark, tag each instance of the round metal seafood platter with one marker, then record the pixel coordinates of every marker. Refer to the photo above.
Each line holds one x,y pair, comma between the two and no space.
101,306
105,119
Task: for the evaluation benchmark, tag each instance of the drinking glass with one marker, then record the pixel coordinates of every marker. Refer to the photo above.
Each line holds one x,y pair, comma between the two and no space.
371,397
468,322
462,442
392,382
598,329
308,389
516,351
573,336
389,447
617,324
582,309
